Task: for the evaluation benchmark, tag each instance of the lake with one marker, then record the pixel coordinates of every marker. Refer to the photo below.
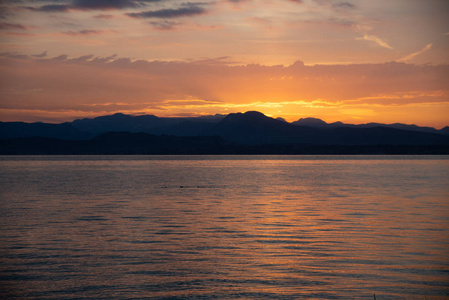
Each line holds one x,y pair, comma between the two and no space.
224,227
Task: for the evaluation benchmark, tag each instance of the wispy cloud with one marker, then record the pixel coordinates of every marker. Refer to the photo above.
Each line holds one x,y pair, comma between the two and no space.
237,1
343,5
186,10
51,8
365,29
92,5
42,55
215,86
411,56
110,4
104,17
377,40
8,26
331,83
83,32
164,25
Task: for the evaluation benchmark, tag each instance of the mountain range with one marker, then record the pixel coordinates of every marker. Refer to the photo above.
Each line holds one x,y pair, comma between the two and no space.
250,132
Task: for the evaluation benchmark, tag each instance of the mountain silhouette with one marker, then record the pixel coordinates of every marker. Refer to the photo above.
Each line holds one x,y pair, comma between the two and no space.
254,128
115,143
144,123
250,132
314,122
22,129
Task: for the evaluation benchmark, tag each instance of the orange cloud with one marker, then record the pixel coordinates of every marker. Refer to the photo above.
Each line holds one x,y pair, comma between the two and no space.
92,85
411,56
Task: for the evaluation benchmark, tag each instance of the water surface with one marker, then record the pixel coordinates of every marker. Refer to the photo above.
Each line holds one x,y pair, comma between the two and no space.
224,227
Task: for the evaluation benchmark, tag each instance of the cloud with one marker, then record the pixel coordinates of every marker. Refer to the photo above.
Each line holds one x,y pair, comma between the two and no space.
83,32
8,26
377,40
344,5
223,60
186,10
411,56
364,29
109,4
42,55
62,57
81,59
216,85
102,60
104,17
200,78
92,5
52,8
14,55
164,25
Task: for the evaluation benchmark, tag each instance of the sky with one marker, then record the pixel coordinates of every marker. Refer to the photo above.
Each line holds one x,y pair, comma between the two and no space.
355,61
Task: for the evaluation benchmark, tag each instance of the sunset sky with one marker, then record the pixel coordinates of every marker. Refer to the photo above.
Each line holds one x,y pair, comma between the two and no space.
355,61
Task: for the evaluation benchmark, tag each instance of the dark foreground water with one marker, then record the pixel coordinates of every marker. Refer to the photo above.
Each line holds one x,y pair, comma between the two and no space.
224,227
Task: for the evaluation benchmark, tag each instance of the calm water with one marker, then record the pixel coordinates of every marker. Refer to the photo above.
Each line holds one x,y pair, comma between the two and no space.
224,227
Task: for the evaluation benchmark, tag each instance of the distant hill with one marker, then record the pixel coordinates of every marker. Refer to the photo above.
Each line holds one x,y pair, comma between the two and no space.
124,143
250,132
314,122
254,128
445,130
115,143
22,129
144,123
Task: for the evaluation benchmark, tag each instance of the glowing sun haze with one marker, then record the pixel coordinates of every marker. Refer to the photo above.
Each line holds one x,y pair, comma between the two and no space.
352,61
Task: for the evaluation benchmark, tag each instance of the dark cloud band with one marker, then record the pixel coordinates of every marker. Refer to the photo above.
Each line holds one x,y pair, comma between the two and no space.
93,5
7,26
185,11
